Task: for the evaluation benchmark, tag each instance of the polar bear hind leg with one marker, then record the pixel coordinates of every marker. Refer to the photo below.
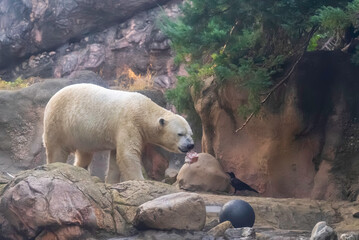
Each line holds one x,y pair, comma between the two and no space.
83,159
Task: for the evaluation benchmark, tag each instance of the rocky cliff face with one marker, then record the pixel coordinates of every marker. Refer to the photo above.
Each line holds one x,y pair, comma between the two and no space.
54,38
304,141
21,120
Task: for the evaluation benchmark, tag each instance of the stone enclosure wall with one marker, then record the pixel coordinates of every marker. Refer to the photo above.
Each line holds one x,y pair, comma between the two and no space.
304,142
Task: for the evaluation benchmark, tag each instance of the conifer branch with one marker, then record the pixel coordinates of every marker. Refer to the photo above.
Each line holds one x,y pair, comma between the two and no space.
313,30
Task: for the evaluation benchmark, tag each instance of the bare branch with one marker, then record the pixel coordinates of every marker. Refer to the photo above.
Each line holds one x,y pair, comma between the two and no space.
245,123
271,91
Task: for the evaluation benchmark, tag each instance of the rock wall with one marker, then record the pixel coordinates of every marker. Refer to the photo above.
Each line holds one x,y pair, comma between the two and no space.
304,141
21,121
54,38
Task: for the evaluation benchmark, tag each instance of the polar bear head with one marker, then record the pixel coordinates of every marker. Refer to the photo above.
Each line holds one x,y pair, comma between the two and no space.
175,134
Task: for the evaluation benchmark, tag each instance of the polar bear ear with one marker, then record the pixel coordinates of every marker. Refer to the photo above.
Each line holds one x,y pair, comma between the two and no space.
162,121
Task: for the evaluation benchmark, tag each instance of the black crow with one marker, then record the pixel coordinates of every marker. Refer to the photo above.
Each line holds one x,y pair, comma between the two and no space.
238,184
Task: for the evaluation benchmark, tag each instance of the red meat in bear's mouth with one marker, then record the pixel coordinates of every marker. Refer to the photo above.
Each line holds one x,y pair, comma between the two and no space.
191,157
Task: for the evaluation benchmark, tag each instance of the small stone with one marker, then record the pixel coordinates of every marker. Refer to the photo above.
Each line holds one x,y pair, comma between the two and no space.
219,230
350,236
170,175
210,225
245,233
322,231
52,53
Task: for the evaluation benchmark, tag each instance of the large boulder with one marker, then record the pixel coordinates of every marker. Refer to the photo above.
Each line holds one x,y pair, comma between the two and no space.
127,196
182,211
57,199
204,175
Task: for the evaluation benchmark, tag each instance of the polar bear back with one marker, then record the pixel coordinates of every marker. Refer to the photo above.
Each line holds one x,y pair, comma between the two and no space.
89,110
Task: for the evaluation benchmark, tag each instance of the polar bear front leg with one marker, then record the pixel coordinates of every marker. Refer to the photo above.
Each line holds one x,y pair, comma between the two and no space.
129,163
113,172
56,154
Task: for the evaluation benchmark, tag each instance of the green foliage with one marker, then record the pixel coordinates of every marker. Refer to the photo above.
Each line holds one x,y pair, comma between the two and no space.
331,18
337,21
181,98
18,83
240,40
313,43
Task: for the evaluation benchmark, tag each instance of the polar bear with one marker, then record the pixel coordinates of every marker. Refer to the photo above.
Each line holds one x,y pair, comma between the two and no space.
85,118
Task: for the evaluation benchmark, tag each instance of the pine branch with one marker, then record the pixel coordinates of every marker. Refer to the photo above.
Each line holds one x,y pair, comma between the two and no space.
271,91
313,30
230,34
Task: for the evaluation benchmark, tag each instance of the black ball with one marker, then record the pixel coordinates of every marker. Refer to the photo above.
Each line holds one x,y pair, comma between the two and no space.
238,212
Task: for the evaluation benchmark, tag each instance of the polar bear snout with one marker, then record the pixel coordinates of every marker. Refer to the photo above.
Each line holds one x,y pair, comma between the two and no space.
190,146
187,146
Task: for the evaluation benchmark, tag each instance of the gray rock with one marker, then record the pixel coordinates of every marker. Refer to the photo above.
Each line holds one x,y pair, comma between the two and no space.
170,175
322,231
109,48
350,236
168,235
182,211
210,222
279,234
163,81
30,27
220,229
245,233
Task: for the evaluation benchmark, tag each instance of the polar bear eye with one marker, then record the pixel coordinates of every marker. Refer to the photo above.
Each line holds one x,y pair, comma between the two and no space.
180,134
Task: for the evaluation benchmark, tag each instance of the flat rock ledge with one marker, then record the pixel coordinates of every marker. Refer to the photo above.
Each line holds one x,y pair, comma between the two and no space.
60,201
